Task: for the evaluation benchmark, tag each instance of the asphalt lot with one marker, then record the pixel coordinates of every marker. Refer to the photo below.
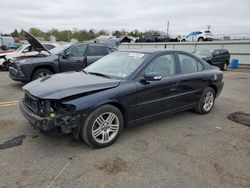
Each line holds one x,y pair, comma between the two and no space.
181,150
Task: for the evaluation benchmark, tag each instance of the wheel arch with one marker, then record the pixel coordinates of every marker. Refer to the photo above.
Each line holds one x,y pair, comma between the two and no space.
49,67
214,87
120,107
122,110
201,38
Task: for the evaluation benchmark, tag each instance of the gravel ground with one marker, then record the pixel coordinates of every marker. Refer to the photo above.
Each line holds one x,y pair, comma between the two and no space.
181,150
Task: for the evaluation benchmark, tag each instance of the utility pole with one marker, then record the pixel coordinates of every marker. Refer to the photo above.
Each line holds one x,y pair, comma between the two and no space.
68,36
208,27
167,28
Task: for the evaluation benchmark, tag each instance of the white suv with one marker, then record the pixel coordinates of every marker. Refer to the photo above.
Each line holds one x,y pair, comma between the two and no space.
198,36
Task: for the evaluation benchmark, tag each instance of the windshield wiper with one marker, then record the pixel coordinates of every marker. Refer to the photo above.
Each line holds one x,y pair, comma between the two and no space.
99,74
84,71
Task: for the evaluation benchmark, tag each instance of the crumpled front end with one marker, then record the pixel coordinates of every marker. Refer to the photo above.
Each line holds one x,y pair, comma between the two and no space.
50,114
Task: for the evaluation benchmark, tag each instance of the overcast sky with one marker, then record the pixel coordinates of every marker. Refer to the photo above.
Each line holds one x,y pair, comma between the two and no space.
224,16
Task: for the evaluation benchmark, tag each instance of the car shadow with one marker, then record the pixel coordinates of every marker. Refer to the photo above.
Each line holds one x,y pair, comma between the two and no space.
17,85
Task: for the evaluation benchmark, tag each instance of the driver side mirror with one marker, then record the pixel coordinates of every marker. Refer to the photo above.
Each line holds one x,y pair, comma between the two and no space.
65,55
151,76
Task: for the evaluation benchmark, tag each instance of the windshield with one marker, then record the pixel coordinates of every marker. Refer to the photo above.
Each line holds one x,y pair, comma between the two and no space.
21,48
117,64
59,49
204,52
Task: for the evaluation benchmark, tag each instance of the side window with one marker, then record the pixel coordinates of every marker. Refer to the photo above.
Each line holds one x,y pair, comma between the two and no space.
164,65
27,49
49,46
97,51
223,52
76,51
216,52
189,64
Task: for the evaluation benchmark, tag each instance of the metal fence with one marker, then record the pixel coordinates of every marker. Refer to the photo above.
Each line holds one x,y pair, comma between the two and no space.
238,49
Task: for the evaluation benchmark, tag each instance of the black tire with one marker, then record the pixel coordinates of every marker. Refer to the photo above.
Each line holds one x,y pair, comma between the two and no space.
200,39
200,106
6,65
39,72
88,126
224,67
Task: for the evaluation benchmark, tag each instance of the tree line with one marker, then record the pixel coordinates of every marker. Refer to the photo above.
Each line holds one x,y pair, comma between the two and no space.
80,35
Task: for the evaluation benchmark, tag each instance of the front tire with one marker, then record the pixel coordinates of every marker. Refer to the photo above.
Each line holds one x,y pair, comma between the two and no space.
102,127
6,65
39,73
206,101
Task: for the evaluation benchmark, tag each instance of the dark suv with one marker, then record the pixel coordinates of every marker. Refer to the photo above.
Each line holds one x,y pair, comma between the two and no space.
218,57
67,57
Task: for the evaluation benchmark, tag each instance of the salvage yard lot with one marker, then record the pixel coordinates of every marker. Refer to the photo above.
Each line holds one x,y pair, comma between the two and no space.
181,150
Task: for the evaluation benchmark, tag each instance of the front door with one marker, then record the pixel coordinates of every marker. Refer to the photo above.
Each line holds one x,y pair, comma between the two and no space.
156,97
73,58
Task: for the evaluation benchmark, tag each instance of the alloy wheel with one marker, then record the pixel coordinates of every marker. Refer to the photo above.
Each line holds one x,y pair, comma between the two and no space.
208,101
105,127
42,74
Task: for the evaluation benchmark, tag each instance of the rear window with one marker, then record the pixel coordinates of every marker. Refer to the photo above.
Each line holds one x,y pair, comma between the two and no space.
189,64
97,51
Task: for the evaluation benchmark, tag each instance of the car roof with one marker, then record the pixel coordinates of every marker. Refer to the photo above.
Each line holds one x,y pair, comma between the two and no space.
149,50
212,49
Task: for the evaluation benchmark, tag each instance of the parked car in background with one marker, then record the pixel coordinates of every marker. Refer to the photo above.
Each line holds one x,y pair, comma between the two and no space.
157,38
148,38
198,36
23,51
122,88
7,41
5,49
68,57
218,57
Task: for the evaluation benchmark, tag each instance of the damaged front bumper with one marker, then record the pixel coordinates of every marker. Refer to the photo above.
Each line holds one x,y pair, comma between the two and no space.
66,124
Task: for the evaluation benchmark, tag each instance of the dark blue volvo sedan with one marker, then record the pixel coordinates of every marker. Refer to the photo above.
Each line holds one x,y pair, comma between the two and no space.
122,88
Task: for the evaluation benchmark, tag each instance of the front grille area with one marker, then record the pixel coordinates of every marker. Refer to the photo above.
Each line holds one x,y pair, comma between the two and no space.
31,102
12,64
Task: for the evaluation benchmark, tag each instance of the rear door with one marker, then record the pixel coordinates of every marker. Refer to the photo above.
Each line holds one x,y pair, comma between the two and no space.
73,58
218,58
156,97
95,52
193,79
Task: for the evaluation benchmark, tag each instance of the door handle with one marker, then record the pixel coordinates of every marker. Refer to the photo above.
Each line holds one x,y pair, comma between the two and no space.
78,61
204,78
173,89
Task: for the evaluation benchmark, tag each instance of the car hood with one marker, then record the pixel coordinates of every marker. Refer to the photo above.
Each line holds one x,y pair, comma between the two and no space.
3,55
67,84
34,42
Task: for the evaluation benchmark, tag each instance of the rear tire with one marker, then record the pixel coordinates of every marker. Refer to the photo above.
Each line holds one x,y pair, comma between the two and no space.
102,127
39,73
200,39
206,101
